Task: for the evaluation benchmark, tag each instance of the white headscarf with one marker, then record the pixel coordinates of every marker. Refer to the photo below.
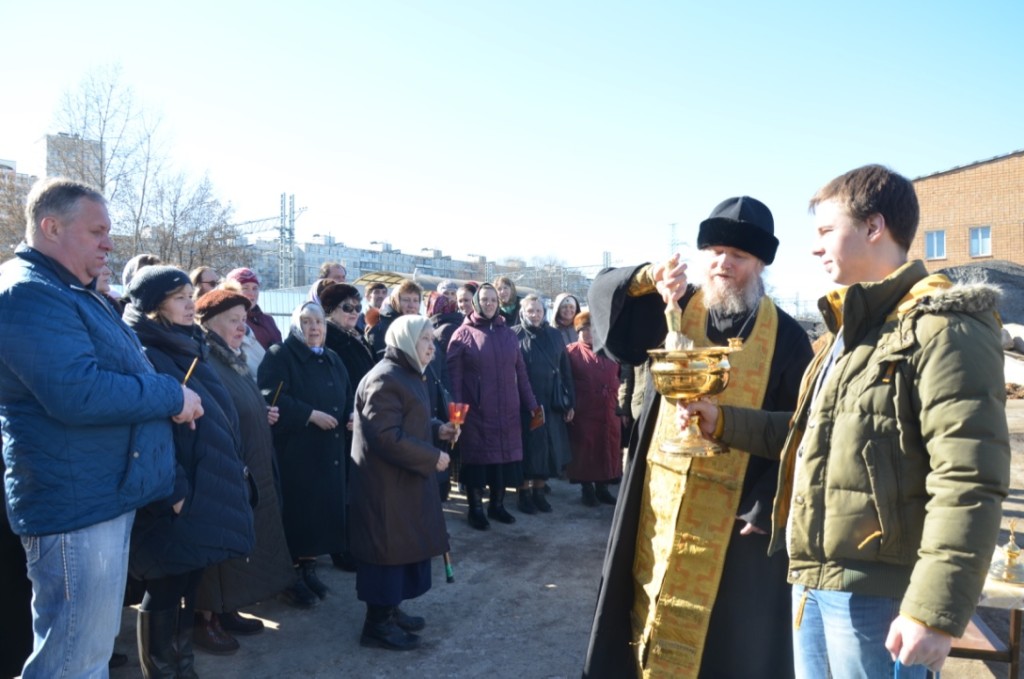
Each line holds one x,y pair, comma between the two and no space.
296,327
403,334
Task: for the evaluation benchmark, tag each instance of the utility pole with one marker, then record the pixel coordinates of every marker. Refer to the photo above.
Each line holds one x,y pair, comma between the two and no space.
286,243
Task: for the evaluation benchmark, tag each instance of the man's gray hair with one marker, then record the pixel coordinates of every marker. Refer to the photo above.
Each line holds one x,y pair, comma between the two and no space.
55,197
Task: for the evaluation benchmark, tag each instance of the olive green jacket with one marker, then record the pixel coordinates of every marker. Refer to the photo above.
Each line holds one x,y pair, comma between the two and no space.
893,476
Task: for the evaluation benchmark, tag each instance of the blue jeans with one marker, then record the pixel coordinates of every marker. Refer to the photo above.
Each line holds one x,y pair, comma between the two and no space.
842,635
78,581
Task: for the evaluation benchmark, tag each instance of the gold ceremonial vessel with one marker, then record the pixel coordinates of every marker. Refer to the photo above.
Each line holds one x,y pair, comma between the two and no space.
687,375
1006,565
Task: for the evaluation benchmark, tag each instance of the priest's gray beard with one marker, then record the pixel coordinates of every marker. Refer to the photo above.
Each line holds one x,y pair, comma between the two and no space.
725,297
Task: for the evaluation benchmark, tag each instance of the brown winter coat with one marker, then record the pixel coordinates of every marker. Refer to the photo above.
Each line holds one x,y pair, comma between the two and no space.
395,507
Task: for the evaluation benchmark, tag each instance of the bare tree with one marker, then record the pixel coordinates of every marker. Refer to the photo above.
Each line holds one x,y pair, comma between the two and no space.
12,212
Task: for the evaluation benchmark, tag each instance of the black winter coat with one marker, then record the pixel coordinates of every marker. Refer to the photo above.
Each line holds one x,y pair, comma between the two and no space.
312,460
234,583
216,521
353,351
375,335
396,510
546,450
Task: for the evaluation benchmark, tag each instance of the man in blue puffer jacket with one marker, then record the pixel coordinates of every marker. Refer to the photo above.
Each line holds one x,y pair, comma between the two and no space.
86,428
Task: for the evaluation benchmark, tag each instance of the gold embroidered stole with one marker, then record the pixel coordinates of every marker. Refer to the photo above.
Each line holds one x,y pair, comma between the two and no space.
688,514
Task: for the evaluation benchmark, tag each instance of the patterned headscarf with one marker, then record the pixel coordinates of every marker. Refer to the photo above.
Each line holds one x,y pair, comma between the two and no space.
296,326
476,300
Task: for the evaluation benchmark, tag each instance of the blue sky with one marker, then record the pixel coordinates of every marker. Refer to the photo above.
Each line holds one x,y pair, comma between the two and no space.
529,128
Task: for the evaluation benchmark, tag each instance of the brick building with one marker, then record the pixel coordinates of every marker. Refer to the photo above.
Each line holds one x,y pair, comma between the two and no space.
972,214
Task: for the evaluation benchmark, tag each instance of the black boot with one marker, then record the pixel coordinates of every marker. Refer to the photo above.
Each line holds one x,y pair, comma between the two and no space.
477,518
410,623
307,569
540,499
603,494
298,595
525,501
186,654
496,508
381,630
589,497
155,632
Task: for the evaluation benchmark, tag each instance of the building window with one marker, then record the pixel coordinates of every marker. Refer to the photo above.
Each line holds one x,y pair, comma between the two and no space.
935,245
981,241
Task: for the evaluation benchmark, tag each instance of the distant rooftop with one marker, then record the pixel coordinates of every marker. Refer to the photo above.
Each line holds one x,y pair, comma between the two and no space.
958,168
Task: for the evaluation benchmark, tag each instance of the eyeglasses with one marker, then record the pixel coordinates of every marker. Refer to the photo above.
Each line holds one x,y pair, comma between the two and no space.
215,281
349,309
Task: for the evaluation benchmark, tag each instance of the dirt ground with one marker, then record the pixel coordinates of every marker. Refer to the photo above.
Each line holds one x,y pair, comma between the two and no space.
520,606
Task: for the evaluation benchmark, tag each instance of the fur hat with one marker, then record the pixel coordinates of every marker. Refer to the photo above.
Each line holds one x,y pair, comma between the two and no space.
582,318
217,301
151,284
744,223
331,296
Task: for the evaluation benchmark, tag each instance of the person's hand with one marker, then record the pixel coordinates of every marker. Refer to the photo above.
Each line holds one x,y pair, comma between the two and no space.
569,415
670,279
350,425
442,461
751,529
705,410
446,433
273,415
178,505
914,644
536,418
322,420
191,409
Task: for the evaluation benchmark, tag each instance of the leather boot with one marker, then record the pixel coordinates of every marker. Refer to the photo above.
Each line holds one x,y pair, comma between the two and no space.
155,633
476,516
235,623
380,630
496,508
603,494
525,501
307,569
208,635
410,623
540,499
186,656
589,497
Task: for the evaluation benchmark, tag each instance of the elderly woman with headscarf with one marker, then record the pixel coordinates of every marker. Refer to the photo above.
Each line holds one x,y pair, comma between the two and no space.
545,450
311,388
267,571
595,431
397,524
487,372
565,308
404,300
208,517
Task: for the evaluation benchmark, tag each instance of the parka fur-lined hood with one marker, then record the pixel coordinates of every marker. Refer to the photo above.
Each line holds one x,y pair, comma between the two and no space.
970,298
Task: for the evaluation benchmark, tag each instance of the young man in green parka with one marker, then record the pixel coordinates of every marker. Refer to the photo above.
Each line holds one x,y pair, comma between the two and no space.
896,461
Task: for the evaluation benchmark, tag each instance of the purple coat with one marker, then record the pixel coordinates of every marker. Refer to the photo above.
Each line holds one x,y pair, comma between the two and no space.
488,373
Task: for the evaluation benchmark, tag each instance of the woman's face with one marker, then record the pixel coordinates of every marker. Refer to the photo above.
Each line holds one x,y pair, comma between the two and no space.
346,314
425,346
178,307
488,302
103,280
567,311
450,294
409,304
504,292
534,312
464,298
251,292
312,328
586,336
229,325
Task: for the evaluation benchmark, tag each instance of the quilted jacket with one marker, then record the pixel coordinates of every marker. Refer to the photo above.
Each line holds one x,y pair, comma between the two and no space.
85,418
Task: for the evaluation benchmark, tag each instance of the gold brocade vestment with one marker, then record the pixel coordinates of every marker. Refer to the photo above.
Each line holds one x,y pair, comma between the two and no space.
688,514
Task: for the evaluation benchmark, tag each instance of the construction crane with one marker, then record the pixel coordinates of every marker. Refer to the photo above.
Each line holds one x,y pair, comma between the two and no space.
284,225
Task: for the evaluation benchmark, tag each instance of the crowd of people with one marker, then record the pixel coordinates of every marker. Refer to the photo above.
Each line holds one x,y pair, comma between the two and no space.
172,438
